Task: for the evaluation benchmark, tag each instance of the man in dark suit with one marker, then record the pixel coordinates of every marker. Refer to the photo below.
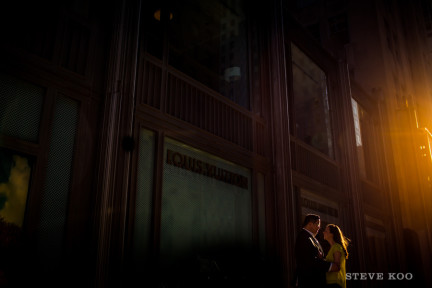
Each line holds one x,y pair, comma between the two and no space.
311,266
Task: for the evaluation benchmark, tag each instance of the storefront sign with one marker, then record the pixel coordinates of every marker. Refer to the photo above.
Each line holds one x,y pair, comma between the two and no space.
319,207
198,166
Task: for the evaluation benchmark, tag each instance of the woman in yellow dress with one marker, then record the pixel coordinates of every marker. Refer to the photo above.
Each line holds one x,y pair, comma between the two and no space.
338,254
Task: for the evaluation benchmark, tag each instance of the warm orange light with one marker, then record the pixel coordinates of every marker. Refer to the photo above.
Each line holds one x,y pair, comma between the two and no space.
429,142
428,132
157,15
416,119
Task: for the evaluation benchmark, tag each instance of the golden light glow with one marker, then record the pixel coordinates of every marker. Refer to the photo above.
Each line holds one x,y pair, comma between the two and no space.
427,131
429,143
416,119
157,15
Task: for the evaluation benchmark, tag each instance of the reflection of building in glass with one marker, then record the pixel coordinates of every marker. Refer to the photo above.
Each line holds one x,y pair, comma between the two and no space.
357,127
14,185
208,41
232,57
311,103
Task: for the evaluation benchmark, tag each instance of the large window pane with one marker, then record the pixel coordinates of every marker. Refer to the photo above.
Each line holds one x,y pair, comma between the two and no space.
206,204
57,180
311,107
207,41
153,28
20,108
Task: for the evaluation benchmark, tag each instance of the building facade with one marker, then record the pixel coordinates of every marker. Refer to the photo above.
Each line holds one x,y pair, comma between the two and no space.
386,47
180,144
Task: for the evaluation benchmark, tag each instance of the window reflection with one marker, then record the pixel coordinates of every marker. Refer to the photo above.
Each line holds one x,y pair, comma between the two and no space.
359,143
207,41
366,147
14,184
311,108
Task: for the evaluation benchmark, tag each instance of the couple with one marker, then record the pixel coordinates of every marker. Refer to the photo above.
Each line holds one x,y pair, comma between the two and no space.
313,269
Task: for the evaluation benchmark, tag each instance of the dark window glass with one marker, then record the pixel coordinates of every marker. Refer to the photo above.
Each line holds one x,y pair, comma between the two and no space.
200,211
20,108
154,14
207,41
311,107
204,39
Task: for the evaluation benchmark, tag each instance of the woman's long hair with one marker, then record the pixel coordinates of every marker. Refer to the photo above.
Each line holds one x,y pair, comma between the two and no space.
339,238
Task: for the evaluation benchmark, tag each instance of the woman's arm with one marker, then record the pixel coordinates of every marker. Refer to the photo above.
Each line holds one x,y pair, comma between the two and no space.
334,267
337,259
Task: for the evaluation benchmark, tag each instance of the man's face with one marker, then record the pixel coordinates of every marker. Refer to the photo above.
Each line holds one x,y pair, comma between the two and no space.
315,227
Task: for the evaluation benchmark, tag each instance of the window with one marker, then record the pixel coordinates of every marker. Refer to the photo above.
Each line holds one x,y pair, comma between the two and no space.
311,106
20,116
359,143
207,41
206,204
365,142
15,171
21,110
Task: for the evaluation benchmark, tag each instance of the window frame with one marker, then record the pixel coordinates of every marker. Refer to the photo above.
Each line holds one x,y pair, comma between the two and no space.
322,60
246,98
